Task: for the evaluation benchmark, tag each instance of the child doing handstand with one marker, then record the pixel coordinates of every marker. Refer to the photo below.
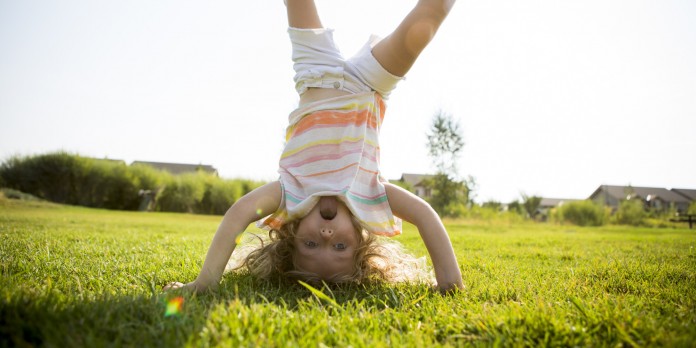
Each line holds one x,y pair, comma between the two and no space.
330,201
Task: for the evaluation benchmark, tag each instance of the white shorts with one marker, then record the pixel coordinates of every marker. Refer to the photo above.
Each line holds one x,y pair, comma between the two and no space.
318,63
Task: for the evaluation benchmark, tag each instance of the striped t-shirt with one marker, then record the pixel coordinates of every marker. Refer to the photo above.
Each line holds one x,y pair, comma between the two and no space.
332,149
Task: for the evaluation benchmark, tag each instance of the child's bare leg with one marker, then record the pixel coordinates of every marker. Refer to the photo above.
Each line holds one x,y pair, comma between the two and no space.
302,14
398,51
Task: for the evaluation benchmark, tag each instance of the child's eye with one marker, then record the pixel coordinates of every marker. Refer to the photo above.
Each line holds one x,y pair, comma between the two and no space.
310,244
340,246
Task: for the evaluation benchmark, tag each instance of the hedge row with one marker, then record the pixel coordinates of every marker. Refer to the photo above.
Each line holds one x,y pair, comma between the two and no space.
582,213
72,179
629,212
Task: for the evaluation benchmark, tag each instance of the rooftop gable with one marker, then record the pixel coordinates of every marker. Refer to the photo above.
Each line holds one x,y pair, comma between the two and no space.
554,202
414,179
645,193
687,193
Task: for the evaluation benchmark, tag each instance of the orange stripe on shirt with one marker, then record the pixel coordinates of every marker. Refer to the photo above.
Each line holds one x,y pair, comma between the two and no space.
329,171
328,118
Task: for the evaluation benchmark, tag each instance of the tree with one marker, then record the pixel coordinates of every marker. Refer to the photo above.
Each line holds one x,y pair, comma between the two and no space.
531,205
692,208
515,207
493,205
445,144
449,196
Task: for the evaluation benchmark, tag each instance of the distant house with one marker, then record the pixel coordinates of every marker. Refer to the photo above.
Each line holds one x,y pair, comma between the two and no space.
549,203
546,204
652,197
418,184
179,168
688,193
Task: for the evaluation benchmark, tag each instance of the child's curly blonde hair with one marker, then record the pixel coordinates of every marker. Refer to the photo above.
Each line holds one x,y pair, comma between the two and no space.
375,259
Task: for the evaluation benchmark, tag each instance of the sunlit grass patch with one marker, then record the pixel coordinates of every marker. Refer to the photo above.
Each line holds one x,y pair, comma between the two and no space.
85,277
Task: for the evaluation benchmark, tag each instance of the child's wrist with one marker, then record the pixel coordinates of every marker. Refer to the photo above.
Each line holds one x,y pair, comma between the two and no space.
198,285
450,288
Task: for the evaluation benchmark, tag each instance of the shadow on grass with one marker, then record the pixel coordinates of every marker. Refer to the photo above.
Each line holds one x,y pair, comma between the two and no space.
140,320
291,294
105,321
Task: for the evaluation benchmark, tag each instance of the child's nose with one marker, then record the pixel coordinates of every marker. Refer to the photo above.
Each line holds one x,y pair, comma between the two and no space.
326,233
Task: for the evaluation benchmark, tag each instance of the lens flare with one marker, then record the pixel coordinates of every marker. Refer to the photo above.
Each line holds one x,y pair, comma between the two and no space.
266,202
174,306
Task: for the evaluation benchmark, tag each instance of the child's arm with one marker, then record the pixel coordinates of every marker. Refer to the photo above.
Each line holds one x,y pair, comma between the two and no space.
253,206
413,209
303,14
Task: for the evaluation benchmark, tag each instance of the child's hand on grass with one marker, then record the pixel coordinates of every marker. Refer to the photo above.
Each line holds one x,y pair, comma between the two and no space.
176,285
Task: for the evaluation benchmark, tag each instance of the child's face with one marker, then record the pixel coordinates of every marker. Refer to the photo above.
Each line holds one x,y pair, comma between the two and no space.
326,240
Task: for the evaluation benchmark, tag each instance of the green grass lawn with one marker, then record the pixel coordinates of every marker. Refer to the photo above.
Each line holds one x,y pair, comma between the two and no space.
83,277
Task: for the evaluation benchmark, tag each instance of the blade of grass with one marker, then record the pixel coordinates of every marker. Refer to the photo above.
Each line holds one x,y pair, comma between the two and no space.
579,306
319,294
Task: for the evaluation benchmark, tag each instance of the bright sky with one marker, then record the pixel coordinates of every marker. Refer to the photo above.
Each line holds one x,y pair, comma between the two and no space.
554,97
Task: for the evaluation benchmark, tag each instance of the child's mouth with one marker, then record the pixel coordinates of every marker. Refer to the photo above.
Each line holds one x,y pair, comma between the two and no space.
328,206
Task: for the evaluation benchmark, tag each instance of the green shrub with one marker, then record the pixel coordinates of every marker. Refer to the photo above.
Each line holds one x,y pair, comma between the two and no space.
181,194
692,208
492,212
148,178
150,183
30,175
450,196
71,179
219,195
515,207
531,205
14,194
52,176
492,205
106,184
630,212
202,193
582,213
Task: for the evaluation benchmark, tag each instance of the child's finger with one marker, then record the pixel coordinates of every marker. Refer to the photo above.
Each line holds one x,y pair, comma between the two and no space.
172,286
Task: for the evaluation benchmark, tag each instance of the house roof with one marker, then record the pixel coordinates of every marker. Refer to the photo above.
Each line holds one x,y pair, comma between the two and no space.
179,168
646,193
688,193
554,202
414,179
